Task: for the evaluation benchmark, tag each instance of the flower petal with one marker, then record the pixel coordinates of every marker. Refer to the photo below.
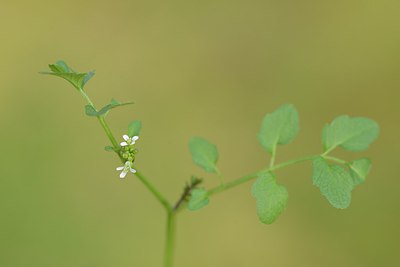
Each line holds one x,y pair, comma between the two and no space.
120,168
135,138
133,170
126,137
123,174
124,144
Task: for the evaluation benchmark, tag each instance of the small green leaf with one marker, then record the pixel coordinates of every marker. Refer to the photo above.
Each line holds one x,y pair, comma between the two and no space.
88,76
134,128
354,134
60,66
204,154
334,183
109,148
90,111
271,198
279,127
359,170
113,104
198,199
62,70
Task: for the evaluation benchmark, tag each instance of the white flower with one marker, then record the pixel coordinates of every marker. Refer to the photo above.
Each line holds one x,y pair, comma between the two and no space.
129,140
125,169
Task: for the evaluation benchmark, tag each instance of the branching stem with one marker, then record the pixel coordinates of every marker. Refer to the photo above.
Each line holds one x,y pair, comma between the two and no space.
172,211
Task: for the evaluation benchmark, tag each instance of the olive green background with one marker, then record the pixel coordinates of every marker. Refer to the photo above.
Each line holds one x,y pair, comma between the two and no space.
206,68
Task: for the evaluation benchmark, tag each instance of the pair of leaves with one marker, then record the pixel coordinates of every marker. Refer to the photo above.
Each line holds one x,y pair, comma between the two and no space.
335,183
62,70
205,155
271,198
91,111
279,127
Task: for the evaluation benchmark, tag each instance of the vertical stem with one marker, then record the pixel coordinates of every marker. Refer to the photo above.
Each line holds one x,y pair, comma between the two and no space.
170,240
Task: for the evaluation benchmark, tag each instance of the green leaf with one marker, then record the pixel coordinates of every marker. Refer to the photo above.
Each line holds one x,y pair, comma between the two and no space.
354,134
134,128
279,127
62,70
359,170
90,111
88,76
198,199
334,183
271,198
204,154
109,148
113,104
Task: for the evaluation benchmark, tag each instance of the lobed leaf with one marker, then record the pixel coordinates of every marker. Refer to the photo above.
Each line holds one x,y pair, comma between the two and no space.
354,134
279,127
359,170
134,128
62,70
271,198
334,183
198,199
204,154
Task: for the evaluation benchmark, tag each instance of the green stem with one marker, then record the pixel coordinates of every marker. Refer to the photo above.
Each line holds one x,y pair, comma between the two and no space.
273,156
108,132
335,159
328,151
115,144
169,240
251,176
170,231
154,191
102,121
221,178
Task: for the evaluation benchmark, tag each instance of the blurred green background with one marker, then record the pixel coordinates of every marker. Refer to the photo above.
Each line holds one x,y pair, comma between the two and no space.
206,68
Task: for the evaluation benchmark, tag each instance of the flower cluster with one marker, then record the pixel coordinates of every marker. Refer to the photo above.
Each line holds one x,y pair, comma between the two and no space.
128,152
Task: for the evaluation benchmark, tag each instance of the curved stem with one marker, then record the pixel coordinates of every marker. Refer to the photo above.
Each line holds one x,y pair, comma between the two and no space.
154,191
251,176
335,159
115,144
170,231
